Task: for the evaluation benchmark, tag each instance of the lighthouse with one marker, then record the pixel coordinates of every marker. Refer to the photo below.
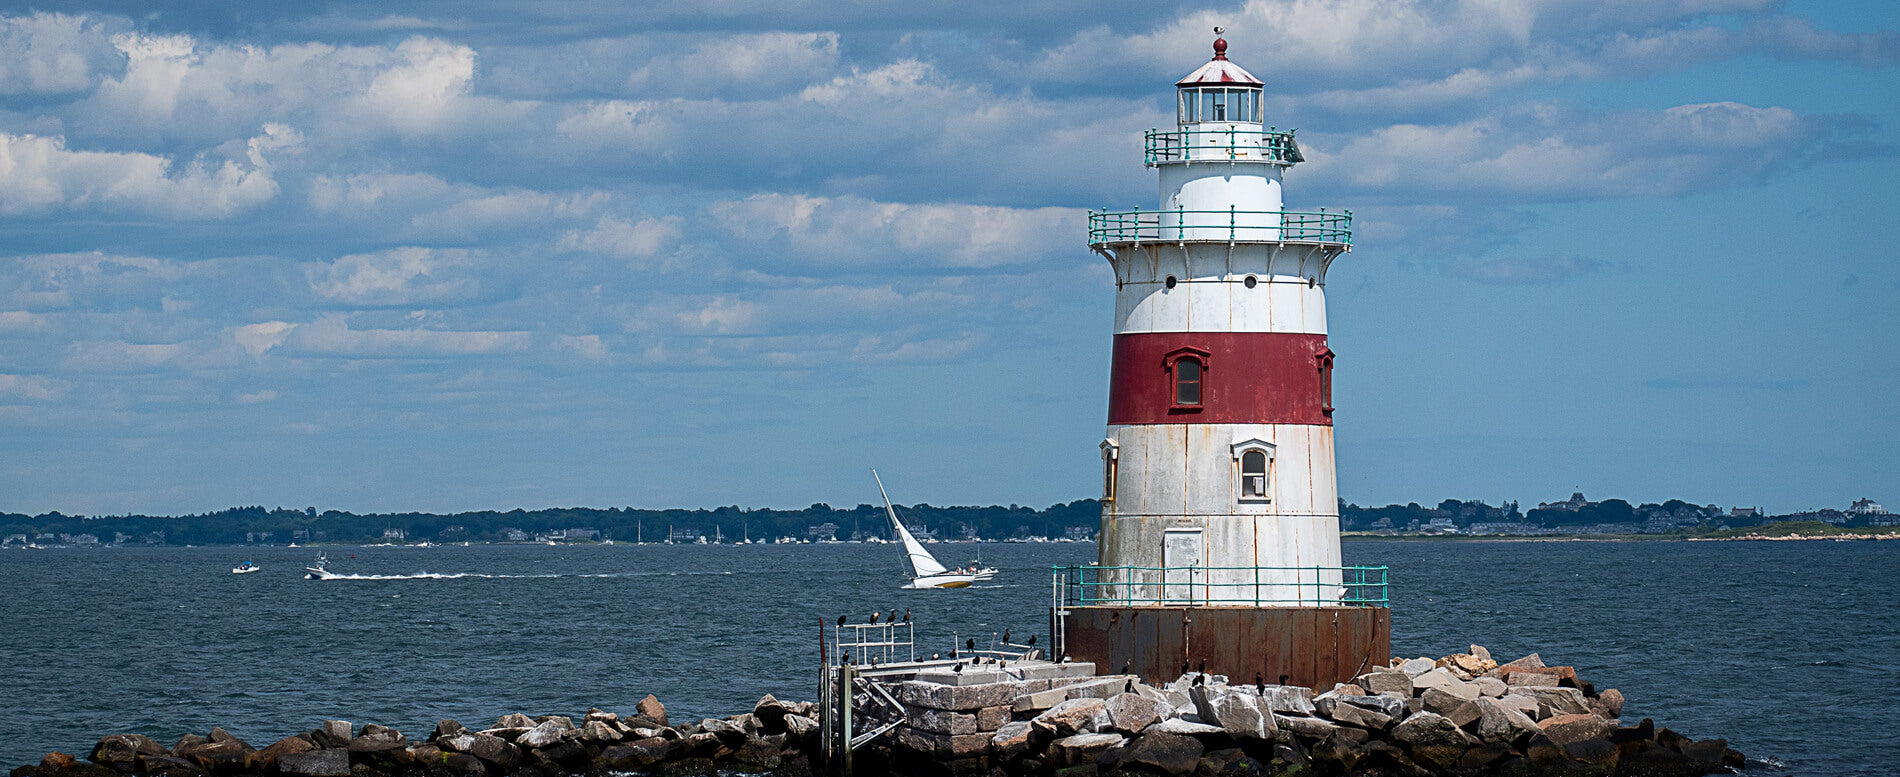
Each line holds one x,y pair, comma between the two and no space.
1219,544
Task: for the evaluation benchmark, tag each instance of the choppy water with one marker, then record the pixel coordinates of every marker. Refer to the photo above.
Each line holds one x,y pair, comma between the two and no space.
1790,650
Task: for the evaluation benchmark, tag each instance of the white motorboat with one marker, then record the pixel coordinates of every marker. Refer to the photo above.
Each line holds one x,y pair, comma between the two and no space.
321,570
926,571
245,568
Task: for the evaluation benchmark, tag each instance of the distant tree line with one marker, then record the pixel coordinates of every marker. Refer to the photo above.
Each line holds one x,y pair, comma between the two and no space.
278,525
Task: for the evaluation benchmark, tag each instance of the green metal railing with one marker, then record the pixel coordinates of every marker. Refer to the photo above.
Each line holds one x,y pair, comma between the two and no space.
1150,226
1130,586
1224,145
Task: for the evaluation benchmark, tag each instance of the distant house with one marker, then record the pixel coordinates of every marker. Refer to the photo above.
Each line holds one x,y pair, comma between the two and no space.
824,532
1866,507
79,539
1744,512
1079,533
394,535
1574,503
299,535
14,539
514,535
682,535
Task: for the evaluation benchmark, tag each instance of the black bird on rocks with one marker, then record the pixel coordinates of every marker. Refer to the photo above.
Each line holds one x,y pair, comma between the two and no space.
953,651
1200,679
1259,685
893,618
1184,668
1129,688
959,668
1032,640
1127,664
1202,668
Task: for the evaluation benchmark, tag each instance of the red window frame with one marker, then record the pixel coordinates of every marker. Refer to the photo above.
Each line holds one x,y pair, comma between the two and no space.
1200,356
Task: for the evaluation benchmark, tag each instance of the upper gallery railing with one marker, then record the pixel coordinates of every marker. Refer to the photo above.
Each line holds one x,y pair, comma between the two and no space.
1220,145
1146,226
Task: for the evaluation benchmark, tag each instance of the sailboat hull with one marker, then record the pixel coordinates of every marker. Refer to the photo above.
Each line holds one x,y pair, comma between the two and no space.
941,581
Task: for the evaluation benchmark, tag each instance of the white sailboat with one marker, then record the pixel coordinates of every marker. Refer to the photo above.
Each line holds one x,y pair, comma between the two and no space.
925,569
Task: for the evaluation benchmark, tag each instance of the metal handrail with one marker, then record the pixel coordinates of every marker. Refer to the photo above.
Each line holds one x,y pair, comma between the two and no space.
1148,226
1241,145
1129,586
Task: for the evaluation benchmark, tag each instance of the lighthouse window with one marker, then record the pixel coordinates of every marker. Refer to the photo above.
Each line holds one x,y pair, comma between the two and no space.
1111,458
1254,460
1198,105
1253,474
1326,381
1187,382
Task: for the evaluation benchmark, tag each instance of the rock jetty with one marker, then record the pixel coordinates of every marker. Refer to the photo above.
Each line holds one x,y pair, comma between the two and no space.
1463,714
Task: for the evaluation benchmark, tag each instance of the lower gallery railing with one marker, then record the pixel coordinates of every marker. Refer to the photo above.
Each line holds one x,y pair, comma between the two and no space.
1189,586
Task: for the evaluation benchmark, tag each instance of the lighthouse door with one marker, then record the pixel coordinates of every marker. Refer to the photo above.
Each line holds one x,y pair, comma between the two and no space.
1182,559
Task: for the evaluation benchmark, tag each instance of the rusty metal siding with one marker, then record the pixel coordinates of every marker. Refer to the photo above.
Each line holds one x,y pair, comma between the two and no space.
1312,646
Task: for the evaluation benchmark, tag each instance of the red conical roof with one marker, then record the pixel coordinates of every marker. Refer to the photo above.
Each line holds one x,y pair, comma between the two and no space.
1220,71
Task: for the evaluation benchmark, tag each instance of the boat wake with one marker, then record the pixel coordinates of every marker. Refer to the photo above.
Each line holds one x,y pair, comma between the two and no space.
481,576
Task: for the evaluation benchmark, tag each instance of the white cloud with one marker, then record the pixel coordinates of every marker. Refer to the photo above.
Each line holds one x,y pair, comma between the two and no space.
256,397
398,276
1547,152
417,205
259,338
332,336
21,321
39,388
624,238
588,346
853,231
44,53
39,174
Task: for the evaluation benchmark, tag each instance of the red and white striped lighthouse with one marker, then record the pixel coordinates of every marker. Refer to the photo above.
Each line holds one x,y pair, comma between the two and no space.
1218,487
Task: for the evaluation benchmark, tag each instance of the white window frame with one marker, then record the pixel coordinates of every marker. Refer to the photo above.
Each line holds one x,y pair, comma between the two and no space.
1240,450
1111,468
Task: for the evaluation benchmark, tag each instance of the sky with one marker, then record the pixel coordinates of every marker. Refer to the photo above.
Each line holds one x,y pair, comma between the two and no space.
464,255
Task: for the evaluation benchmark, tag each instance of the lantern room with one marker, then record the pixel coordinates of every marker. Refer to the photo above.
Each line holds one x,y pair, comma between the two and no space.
1220,91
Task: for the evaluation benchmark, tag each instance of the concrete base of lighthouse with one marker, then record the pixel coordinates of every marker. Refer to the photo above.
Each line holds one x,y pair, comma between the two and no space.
1309,646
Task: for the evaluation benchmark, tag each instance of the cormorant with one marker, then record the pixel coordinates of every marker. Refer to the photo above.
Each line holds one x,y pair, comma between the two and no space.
953,651
1005,636
1184,667
1126,665
1200,679
1259,684
893,618
841,621
1202,668
874,617
906,614
969,644
1032,640
959,668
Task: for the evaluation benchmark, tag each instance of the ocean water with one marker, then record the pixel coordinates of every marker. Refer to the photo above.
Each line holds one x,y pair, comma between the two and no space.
1790,650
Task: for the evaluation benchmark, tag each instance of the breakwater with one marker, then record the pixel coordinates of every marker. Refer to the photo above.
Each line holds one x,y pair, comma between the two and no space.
1460,714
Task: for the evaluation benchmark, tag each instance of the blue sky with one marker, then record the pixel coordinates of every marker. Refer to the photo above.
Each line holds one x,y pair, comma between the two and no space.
467,255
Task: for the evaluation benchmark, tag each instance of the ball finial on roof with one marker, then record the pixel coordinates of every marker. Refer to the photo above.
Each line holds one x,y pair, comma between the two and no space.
1220,45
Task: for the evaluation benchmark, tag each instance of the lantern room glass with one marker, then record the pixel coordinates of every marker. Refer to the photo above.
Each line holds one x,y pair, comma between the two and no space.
1194,105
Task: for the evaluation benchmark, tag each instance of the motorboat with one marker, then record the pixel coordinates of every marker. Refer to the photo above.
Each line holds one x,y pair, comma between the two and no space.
320,570
926,571
245,568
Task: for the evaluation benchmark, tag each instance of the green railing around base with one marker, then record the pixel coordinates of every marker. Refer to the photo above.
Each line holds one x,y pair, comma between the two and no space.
1224,145
1130,586
1233,225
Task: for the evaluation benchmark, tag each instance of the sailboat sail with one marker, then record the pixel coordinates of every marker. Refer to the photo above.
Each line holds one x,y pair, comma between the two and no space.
922,563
